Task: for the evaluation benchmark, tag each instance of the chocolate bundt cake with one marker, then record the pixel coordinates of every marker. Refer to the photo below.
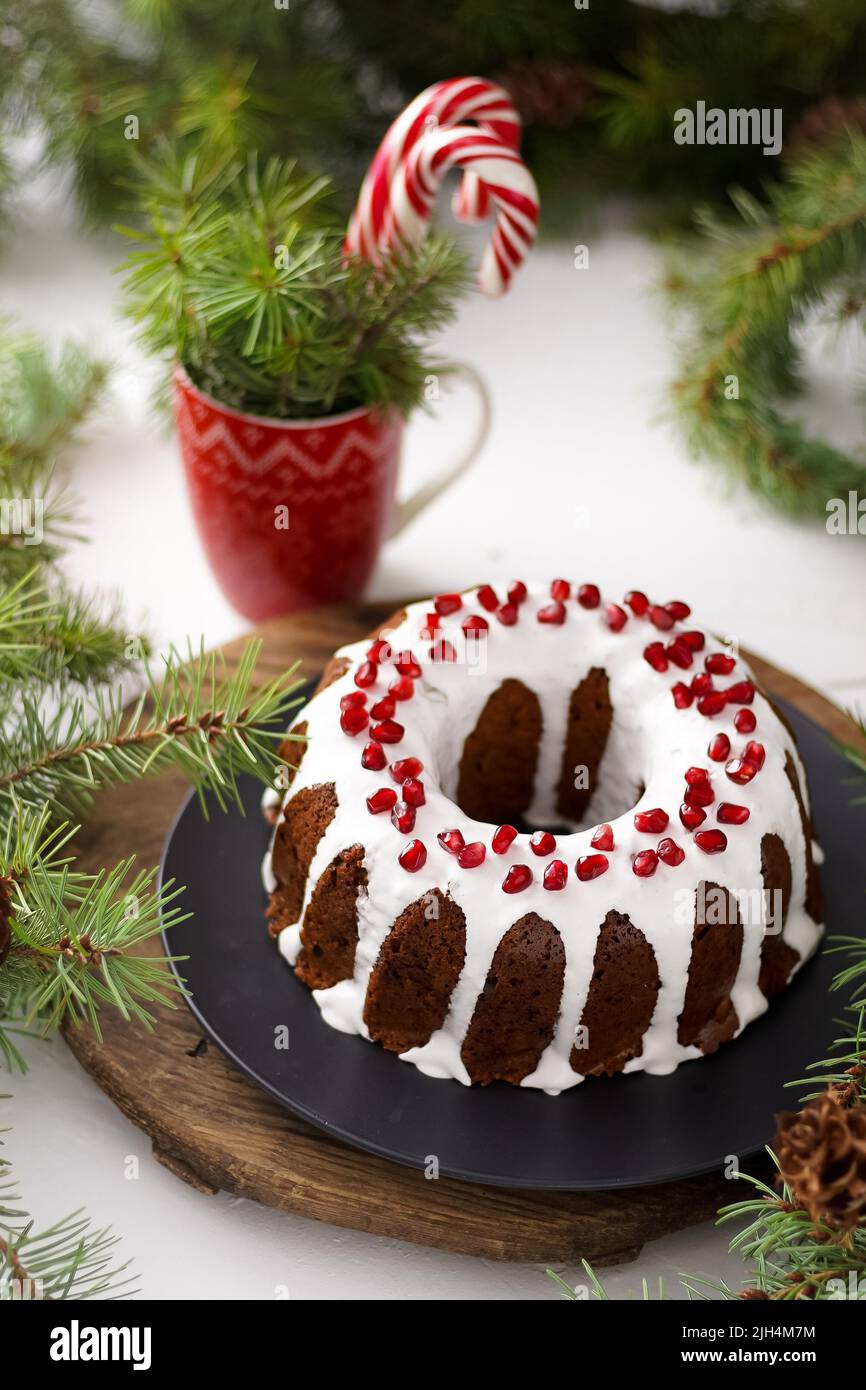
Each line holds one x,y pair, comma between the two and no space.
532,836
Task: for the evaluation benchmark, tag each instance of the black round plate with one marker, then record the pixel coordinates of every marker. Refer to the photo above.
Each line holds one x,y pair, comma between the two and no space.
619,1132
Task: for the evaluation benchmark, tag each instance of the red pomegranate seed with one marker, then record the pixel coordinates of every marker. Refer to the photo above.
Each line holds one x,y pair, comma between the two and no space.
655,655
432,620
413,792
651,822
660,618
487,598
692,816
542,843
680,654
711,841
507,614
555,876
503,838
645,863
442,651
381,800
742,693
616,617
388,731
403,817
695,640
712,703
603,837
451,840
366,674
517,591
406,767
591,866
729,813
755,753
701,794
354,697
402,688
637,602
718,664
383,709
560,589
472,855
741,771
701,683
696,774
413,857
475,626
447,603
551,613
519,876
678,610
373,757
682,695
354,719
379,651
588,596
719,748
670,853
745,721
407,665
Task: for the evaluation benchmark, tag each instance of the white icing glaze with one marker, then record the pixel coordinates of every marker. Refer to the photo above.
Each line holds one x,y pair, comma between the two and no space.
650,742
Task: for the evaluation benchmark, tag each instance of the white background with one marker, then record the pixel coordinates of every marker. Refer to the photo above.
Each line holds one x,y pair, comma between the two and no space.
581,477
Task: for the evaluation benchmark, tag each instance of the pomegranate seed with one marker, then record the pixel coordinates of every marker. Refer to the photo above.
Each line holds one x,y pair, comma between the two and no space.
475,626
382,800
487,598
729,813
472,855
637,602
645,863
701,794
742,693
682,695
616,617
711,841
451,840
403,817
519,876
719,748
692,816
507,614
516,591
588,596
383,709
542,843
655,655
669,852
680,654
407,665
560,589
354,697
373,757
695,775
379,651
741,771
591,866
701,683
366,674
745,721
660,618
603,837
555,876
442,651
388,731
712,703
406,767
719,664
447,603
651,822
413,857
433,621
678,610
755,753
413,792
354,719
695,640
503,838
552,613
402,688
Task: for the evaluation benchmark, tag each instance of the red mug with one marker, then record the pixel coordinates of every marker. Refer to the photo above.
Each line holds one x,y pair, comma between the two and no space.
294,512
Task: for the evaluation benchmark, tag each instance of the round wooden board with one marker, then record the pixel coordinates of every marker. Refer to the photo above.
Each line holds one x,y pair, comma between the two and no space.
216,1130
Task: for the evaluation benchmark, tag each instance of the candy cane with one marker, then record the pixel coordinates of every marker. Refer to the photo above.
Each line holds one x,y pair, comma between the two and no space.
449,103
503,176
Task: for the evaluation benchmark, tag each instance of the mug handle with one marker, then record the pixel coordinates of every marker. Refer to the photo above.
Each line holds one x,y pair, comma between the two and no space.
407,510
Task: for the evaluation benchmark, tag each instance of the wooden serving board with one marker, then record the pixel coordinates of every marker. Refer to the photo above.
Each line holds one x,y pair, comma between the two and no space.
215,1129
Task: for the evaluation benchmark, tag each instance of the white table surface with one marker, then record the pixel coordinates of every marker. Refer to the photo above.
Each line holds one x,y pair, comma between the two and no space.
581,477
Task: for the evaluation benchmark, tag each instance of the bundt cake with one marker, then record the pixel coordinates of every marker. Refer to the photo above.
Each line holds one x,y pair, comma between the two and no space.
533,836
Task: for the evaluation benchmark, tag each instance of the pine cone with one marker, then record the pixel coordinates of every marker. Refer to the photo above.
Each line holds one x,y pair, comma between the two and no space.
548,93
821,122
822,1157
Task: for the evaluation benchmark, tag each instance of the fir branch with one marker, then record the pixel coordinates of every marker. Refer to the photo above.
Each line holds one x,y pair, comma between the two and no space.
52,637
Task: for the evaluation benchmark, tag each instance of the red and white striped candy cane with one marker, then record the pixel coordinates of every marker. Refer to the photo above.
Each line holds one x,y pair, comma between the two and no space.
503,176
449,103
